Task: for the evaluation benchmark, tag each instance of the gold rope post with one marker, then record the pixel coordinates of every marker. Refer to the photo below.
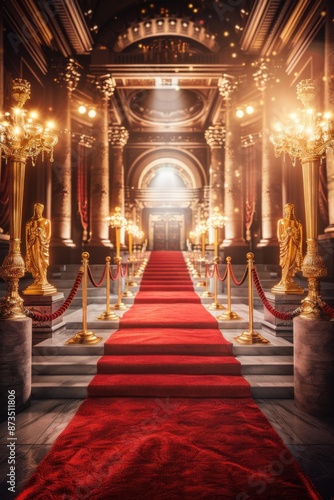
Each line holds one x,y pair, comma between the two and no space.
206,293
216,221
108,314
249,336
117,221
85,336
228,315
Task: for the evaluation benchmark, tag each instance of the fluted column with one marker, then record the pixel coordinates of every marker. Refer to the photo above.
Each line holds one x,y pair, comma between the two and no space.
271,192
100,194
271,172
119,138
68,76
214,137
329,102
233,192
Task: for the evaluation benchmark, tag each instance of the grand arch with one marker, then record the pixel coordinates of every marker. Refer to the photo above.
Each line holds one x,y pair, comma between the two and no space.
166,195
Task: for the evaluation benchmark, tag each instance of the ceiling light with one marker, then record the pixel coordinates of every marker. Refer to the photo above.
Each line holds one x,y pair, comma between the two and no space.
92,113
82,109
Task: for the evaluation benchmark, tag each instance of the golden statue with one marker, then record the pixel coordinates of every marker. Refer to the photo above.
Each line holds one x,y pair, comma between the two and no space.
290,238
38,235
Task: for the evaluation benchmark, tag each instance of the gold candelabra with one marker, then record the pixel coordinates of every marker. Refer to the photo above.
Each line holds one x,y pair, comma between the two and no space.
216,221
117,221
307,137
201,230
21,137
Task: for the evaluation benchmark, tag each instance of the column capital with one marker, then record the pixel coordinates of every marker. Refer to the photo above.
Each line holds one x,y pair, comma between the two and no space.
227,85
68,73
266,71
118,135
104,84
215,136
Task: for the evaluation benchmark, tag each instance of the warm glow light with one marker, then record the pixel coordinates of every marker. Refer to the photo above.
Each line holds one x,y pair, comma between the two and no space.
239,113
33,115
50,125
92,113
82,109
249,110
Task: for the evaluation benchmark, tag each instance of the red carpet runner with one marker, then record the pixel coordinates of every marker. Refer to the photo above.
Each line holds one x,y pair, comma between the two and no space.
169,415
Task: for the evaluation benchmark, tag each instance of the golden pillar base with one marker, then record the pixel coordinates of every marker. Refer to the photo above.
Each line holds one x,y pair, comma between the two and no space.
215,306
228,316
105,316
251,338
128,293
40,289
86,338
206,294
287,288
120,306
201,284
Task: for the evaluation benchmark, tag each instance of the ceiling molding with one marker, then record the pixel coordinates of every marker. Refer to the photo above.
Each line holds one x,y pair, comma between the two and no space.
74,25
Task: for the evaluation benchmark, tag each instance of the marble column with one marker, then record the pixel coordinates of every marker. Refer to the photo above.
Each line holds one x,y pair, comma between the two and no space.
119,138
214,137
100,210
233,191
328,105
68,78
271,176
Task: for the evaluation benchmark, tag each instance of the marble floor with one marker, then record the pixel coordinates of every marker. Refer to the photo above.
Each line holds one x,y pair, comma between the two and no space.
310,439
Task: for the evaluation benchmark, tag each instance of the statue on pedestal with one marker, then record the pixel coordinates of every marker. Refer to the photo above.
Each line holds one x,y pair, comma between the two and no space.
38,235
289,234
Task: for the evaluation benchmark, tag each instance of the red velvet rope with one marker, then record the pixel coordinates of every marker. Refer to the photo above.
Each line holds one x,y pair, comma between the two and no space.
235,281
219,277
326,308
50,317
114,278
285,316
96,285
208,274
125,272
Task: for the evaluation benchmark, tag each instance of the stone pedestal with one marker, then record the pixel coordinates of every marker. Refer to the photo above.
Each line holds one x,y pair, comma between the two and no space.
45,304
314,365
285,304
15,364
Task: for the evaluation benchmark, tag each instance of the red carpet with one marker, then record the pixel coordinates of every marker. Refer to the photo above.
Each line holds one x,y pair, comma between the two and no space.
178,421
168,449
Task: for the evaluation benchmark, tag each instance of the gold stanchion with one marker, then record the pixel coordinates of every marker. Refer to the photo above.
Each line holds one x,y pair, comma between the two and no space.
119,304
108,314
228,315
206,293
127,292
85,336
117,221
249,336
216,221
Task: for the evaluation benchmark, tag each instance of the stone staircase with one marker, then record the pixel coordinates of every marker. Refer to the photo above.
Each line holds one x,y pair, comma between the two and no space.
64,371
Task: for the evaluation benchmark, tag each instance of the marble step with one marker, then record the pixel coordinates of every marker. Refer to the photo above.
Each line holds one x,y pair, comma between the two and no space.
271,386
271,365
74,386
86,365
61,365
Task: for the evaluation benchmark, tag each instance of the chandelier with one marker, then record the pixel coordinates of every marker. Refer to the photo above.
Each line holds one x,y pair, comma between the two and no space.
309,133
20,133
22,137
307,137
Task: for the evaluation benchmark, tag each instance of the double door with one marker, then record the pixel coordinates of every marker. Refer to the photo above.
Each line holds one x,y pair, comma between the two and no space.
166,235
